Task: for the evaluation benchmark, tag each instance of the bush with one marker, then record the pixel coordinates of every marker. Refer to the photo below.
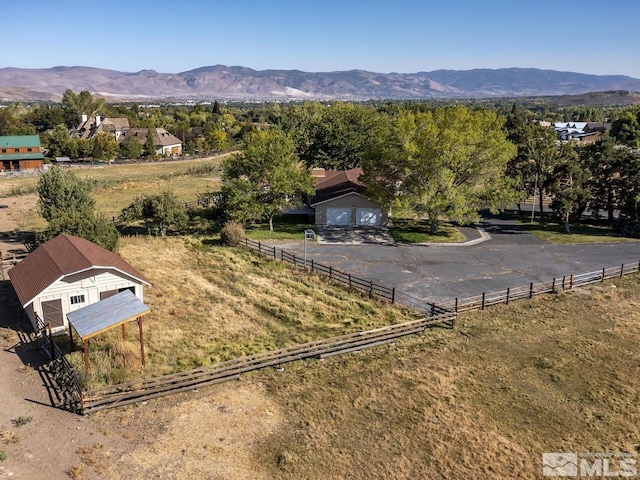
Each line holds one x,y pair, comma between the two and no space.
232,234
3,455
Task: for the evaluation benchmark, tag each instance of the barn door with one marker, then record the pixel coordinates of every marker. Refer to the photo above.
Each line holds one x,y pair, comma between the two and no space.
52,312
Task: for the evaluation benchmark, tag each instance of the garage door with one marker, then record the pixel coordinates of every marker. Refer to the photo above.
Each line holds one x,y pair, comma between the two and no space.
368,217
338,216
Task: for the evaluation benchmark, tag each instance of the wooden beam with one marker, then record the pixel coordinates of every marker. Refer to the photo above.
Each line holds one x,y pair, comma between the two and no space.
141,341
85,342
124,332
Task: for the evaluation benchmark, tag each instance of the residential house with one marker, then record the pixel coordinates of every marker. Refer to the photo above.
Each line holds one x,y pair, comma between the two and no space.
68,273
339,200
166,144
21,152
90,126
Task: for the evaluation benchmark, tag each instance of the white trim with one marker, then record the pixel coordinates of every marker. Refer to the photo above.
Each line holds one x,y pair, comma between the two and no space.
346,195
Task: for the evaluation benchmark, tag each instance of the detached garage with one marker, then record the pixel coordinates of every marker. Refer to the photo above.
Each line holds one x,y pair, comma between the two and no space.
68,273
339,201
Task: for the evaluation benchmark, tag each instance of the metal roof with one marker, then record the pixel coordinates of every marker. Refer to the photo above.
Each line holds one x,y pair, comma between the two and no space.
19,141
21,156
108,313
61,256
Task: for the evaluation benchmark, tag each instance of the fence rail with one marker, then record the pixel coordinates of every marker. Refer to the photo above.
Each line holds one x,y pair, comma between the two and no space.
8,260
567,282
127,393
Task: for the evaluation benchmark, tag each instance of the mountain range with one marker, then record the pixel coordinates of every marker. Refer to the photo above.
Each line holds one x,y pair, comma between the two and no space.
241,83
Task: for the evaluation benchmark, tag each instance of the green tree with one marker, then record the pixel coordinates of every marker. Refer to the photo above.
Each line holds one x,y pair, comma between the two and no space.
569,187
449,163
626,128
216,108
75,105
162,211
265,179
218,140
61,191
104,146
130,147
65,202
149,144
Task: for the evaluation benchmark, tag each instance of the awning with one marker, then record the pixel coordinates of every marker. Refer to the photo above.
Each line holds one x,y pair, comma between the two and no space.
98,317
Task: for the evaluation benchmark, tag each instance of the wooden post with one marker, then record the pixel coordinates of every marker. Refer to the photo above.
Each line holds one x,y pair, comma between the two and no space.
349,279
330,272
553,285
370,289
433,309
456,310
274,253
621,270
85,343
53,352
482,300
312,265
259,247
508,290
71,336
141,341
563,278
282,255
393,295
602,275
124,332
531,290
246,242
571,282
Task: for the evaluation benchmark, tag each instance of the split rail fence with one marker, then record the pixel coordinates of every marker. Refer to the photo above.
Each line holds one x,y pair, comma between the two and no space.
133,392
367,286
567,282
7,262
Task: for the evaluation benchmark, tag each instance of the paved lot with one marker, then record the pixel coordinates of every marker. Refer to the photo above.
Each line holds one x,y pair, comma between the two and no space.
512,257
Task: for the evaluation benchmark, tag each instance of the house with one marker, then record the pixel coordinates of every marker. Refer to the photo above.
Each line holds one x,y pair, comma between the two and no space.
68,273
340,200
166,143
90,126
21,152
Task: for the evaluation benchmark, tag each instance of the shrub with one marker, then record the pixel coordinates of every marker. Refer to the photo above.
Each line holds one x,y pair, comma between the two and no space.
232,234
3,456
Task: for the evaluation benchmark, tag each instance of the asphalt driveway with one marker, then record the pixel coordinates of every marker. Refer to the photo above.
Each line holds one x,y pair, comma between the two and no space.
439,273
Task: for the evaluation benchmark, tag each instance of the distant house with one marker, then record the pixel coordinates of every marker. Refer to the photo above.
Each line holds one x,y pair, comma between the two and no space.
166,144
21,152
68,273
339,200
90,126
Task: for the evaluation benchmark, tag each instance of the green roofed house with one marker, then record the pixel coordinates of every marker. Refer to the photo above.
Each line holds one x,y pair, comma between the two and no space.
20,153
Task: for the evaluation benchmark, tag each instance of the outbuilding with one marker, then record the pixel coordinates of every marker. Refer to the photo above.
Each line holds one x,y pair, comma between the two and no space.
68,273
340,200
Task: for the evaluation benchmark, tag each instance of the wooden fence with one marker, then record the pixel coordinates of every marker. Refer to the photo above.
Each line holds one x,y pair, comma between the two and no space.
567,282
63,373
127,393
8,260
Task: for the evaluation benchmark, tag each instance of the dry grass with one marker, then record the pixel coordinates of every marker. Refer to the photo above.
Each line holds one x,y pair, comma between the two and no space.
210,304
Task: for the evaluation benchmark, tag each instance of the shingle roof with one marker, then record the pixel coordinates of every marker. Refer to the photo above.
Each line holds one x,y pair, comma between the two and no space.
336,184
61,256
160,136
19,141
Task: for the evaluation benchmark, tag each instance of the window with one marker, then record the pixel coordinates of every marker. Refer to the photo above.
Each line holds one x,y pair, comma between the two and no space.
29,149
75,299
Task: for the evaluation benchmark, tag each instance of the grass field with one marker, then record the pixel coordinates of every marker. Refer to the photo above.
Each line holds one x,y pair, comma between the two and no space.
417,231
554,232
554,374
211,303
116,186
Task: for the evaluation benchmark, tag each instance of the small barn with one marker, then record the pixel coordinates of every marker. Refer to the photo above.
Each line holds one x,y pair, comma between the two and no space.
340,200
68,273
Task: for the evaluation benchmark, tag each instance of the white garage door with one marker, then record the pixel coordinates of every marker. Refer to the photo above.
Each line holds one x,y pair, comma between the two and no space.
338,216
368,217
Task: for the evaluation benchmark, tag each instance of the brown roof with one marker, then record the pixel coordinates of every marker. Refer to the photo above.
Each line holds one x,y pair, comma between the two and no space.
337,183
88,129
160,136
61,256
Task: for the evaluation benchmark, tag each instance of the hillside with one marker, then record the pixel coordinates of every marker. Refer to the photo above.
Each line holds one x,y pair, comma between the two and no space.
241,83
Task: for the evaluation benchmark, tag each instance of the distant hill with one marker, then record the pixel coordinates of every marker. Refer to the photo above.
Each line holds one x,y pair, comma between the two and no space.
241,83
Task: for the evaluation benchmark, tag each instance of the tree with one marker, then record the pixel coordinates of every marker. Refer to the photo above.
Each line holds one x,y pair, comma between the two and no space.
216,108
130,147
149,144
162,211
217,140
265,179
65,202
75,105
446,163
61,191
626,128
569,187
104,146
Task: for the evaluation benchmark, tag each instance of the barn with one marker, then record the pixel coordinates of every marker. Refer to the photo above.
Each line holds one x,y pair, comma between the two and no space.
68,273
340,201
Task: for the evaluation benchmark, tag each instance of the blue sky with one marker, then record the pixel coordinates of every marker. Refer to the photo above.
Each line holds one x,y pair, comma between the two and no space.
392,36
